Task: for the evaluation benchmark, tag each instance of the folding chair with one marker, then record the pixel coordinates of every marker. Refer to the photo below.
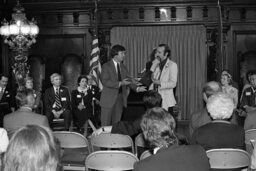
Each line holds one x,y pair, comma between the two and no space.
145,154
250,136
140,144
228,158
110,160
111,141
75,149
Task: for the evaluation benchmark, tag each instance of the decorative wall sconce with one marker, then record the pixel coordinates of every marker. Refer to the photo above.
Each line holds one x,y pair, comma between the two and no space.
19,34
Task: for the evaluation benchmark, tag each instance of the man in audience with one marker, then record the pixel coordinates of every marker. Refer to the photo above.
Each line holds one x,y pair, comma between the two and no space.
202,117
6,98
150,99
57,102
24,115
219,133
115,79
164,77
158,128
248,101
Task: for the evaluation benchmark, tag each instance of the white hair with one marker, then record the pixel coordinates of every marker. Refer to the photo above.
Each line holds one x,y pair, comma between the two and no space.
220,106
54,75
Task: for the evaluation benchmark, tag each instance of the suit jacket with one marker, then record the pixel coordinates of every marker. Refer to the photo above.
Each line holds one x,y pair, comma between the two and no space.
21,118
219,134
202,117
168,80
49,98
176,158
250,121
110,83
6,102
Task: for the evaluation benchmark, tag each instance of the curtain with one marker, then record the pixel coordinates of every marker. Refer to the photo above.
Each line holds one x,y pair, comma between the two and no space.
188,50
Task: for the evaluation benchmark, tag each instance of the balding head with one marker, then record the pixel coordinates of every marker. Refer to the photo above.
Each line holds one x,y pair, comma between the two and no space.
211,88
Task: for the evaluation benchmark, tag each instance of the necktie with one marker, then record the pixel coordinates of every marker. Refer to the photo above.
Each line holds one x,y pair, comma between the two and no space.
119,77
1,93
119,72
57,99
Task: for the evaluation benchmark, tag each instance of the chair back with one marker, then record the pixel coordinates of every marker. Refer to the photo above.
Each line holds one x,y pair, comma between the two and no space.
112,141
228,158
250,136
110,160
139,142
145,154
71,139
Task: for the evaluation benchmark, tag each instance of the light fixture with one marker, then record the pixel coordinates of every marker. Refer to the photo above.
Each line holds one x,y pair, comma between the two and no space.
19,34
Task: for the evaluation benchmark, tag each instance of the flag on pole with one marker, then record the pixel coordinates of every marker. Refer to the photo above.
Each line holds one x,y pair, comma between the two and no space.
95,66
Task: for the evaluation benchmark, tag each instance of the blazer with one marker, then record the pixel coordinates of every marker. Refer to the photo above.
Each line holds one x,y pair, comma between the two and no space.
7,101
176,158
22,117
219,134
110,83
168,80
49,98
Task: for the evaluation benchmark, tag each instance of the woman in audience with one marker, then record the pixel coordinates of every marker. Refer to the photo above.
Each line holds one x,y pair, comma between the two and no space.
29,85
32,148
220,133
158,128
82,103
226,82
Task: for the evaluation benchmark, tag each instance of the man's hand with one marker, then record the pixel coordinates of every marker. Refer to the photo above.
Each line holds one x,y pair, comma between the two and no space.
141,89
125,82
155,63
80,106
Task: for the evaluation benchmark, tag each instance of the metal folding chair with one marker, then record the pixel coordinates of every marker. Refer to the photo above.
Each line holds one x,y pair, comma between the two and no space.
110,160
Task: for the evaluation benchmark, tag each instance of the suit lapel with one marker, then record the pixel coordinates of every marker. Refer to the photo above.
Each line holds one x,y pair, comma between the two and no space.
165,68
113,69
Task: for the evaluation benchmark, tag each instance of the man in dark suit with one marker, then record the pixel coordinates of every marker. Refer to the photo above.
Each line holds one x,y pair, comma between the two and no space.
115,79
24,115
6,98
220,133
158,128
57,101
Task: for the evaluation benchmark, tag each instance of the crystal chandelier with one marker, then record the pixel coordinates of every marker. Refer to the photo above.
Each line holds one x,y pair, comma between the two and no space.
19,34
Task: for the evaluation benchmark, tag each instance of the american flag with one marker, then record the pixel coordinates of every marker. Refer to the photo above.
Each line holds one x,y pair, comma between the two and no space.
95,66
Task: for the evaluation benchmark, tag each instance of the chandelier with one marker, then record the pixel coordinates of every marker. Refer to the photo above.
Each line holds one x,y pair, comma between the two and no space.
19,34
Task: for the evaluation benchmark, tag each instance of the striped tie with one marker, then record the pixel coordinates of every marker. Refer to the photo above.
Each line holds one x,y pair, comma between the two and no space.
57,99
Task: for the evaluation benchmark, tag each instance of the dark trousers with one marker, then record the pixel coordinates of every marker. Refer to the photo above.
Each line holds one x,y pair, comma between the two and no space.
66,115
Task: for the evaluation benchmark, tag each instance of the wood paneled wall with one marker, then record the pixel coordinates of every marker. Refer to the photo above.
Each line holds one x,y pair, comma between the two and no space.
65,26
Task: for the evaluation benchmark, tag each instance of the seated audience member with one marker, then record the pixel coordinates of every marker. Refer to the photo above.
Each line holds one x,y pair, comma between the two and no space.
32,148
219,133
57,101
226,86
4,141
158,128
6,98
24,115
150,99
247,84
81,103
202,117
248,102
29,85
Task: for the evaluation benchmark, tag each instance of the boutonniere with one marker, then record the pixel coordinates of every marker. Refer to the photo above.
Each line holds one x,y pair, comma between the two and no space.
8,95
6,92
61,90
